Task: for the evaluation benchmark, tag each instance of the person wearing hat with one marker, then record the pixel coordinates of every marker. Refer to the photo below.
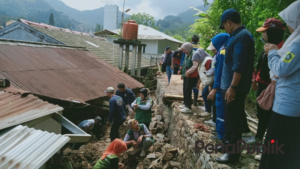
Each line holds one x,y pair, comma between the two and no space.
142,106
88,125
272,32
235,82
117,114
169,62
283,129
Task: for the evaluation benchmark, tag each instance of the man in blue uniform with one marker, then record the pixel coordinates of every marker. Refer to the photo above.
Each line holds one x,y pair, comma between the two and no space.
236,81
117,115
128,97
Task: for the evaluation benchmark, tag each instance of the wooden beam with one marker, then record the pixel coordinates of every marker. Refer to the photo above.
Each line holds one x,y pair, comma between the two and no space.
126,59
133,62
139,61
120,57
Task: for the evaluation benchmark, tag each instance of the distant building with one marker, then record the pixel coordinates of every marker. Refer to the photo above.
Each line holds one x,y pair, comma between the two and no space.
111,17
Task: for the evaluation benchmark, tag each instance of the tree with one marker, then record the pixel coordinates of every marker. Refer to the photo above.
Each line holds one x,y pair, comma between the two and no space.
178,37
143,19
51,20
168,32
98,28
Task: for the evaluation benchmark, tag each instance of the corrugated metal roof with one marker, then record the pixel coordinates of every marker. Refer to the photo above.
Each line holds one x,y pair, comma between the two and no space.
148,33
106,50
16,109
65,74
24,147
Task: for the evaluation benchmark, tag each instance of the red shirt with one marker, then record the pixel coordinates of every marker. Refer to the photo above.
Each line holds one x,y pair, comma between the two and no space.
256,75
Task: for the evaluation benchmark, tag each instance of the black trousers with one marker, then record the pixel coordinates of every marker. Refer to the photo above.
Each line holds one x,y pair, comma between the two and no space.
235,119
283,130
176,69
262,115
188,84
163,68
114,130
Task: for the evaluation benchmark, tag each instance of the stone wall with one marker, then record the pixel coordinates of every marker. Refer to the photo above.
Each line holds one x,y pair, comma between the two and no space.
181,132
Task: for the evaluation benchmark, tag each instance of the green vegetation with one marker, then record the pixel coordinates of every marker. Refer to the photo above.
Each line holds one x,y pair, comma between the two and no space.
51,20
143,19
178,37
253,13
98,28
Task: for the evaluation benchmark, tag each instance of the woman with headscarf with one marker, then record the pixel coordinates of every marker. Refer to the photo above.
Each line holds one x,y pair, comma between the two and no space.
137,136
194,42
272,32
142,106
110,158
188,82
283,130
218,42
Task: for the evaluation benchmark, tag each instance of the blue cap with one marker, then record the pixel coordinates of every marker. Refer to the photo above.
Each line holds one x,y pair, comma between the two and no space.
226,15
167,48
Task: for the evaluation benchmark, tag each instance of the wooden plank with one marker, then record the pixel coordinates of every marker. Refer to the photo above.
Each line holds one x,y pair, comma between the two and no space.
175,88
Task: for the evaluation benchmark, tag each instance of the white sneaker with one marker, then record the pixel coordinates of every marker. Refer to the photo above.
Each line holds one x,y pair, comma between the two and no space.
182,106
143,153
205,114
186,110
210,122
258,157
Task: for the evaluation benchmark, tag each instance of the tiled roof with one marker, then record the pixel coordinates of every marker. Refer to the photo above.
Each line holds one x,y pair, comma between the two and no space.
59,72
101,48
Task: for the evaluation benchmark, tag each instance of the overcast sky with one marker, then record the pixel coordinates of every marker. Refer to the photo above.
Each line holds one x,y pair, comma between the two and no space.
157,8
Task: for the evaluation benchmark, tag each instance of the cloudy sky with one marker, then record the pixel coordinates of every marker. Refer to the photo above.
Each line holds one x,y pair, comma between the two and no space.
157,8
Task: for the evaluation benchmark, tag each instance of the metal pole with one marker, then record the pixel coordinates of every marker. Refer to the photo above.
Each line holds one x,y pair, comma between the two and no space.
126,59
121,57
139,60
133,61
122,19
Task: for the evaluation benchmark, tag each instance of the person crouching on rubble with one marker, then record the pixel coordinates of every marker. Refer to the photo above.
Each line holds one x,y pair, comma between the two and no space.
142,105
88,125
110,158
138,136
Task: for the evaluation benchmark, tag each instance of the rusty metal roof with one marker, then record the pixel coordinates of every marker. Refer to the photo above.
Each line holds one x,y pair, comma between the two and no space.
60,73
24,147
17,109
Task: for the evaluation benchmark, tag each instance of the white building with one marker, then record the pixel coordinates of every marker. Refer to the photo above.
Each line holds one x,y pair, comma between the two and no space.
111,17
155,40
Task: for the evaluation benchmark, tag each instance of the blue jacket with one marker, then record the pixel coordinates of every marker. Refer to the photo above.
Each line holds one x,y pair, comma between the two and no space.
287,68
128,96
218,41
116,109
239,58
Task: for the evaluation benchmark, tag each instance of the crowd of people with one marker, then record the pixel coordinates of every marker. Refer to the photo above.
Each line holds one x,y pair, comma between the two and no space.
228,77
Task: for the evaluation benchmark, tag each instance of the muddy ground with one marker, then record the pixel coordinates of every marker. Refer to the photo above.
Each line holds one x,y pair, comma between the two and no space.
88,154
